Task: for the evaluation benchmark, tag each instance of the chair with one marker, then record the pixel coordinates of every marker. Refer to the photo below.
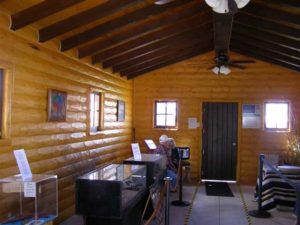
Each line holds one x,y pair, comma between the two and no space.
186,165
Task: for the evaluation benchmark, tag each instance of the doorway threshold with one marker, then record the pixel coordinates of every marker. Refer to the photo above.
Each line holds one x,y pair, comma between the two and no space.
225,181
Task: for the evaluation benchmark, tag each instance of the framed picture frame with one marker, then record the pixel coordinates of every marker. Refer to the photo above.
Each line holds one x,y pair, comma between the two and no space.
57,105
120,110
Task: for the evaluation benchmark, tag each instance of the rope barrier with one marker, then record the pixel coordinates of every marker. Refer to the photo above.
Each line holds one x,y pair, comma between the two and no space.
188,215
245,206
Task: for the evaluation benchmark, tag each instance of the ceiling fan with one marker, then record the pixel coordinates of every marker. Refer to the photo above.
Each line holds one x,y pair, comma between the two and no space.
223,13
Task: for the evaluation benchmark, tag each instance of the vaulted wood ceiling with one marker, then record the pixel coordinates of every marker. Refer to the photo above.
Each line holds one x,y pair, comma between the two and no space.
134,37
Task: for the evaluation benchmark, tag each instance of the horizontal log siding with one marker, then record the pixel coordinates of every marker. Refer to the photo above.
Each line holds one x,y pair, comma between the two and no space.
63,148
191,83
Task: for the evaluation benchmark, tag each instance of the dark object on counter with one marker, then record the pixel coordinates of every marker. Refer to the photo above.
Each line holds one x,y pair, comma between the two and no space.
112,195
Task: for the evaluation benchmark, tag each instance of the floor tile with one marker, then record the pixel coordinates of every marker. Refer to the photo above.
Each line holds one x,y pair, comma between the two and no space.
213,210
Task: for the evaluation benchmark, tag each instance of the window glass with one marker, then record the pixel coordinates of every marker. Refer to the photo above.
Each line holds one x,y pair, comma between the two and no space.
277,115
161,108
160,120
95,111
171,108
171,120
165,114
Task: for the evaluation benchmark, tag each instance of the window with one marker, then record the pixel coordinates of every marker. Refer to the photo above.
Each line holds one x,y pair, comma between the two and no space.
6,86
1,98
277,116
165,114
96,118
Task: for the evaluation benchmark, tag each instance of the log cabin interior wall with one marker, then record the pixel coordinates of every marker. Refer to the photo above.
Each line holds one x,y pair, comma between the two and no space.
63,148
66,148
190,83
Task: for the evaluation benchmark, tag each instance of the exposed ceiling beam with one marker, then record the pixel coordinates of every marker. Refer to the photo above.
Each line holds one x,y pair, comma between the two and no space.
269,55
164,57
115,61
292,3
170,41
162,44
262,34
264,24
169,61
146,27
265,58
193,22
187,43
83,18
256,41
271,13
120,22
39,11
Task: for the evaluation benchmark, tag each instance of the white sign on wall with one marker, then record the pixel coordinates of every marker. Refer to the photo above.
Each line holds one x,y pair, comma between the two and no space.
192,123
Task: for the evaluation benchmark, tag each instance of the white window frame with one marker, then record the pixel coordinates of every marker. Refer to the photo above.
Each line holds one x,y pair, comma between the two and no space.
96,128
276,129
155,114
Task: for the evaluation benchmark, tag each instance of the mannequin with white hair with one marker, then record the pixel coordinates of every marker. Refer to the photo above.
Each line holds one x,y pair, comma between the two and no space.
164,149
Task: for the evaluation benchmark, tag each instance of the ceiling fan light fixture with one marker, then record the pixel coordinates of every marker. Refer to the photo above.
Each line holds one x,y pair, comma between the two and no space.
216,70
221,6
218,6
241,3
224,70
213,3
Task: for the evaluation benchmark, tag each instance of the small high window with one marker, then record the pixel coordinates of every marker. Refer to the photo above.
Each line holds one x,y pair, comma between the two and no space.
96,119
165,114
6,82
277,116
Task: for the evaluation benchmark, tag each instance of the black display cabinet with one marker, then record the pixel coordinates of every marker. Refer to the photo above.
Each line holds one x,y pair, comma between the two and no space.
155,163
156,171
112,195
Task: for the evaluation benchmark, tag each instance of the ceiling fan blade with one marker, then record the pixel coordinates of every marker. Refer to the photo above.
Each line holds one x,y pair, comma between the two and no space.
236,66
162,2
222,32
242,61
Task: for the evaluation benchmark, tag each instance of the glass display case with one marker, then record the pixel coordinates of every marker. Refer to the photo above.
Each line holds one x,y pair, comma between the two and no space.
155,163
110,191
33,201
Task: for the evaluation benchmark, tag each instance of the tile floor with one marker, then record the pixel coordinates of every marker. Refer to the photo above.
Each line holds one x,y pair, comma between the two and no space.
211,210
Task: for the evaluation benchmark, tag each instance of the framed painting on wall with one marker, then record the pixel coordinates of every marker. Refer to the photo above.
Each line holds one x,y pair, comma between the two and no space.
57,105
120,110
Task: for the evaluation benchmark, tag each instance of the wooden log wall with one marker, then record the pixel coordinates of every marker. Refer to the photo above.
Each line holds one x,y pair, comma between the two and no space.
191,83
63,148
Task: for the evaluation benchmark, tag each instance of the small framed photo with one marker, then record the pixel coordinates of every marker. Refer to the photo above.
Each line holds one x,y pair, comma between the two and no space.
57,105
120,110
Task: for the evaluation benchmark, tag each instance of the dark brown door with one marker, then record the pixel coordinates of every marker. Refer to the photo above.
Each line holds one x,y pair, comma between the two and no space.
219,140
